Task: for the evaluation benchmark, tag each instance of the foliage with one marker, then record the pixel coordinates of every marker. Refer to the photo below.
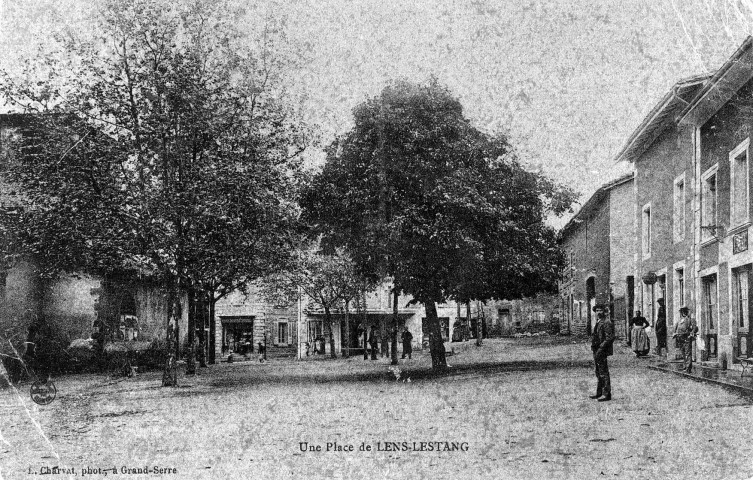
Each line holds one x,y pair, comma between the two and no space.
168,153
416,192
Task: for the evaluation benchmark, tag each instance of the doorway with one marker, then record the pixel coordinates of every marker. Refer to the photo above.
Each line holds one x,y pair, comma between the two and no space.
710,315
591,302
741,307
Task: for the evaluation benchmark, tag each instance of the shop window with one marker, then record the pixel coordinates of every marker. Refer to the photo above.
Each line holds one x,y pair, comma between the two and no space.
739,198
238,336
539,317
709,205
679,209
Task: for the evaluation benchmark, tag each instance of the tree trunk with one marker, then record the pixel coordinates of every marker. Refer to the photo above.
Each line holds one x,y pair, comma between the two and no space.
395,326
204,320
365,328
457,304
436,345
331,323
346,346
480,318
212,331
192,314
170,373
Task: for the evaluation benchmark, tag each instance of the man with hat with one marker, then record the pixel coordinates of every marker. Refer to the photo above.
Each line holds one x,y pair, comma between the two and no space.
601,346
685,332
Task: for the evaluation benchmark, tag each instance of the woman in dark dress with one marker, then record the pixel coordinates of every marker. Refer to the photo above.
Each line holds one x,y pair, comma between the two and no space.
639,338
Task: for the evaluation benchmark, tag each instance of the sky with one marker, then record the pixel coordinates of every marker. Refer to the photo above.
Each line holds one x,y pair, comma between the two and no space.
566,81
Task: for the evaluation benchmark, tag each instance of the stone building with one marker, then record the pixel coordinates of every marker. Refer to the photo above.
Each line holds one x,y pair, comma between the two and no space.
719,120
661,153
599,258
690,210
245,322
528,315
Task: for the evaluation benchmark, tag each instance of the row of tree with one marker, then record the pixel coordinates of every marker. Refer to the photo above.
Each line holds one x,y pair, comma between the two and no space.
163,148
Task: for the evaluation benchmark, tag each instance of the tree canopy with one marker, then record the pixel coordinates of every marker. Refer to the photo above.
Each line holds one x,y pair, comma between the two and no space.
167,153
416,192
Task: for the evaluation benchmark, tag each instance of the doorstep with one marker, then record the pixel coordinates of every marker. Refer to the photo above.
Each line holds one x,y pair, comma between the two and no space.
730,379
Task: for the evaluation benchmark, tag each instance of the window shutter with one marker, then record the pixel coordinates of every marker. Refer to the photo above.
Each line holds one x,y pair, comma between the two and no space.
290,333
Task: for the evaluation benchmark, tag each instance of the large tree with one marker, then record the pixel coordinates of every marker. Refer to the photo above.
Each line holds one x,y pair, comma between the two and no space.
416,192
166,153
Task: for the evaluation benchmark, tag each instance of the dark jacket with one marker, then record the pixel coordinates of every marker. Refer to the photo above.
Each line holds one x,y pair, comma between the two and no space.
406,337
640,321
661,323
686,329
603,337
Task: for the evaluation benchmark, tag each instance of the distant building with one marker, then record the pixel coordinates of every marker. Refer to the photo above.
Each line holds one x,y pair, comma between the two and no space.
528,315
599,259
245,322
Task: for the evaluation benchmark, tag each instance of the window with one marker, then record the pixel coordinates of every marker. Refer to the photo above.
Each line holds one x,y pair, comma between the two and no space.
646,231
739,184
740,296
709,301
282,332
679,209
680,291
709,205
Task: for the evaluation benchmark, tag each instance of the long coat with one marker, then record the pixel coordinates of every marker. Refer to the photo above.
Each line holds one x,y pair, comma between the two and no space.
603,337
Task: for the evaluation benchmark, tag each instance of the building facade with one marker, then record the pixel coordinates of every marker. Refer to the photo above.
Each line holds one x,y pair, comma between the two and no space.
690,210
661,153
721,122
599,259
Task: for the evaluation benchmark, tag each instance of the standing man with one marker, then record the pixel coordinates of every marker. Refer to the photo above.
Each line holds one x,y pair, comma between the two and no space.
685,332
601,346
661,327
407,338
373,342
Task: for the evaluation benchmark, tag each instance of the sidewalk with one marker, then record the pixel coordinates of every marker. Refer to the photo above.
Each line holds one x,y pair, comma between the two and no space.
729,379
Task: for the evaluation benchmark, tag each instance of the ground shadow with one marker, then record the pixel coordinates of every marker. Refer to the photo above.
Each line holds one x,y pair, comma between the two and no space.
415,374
